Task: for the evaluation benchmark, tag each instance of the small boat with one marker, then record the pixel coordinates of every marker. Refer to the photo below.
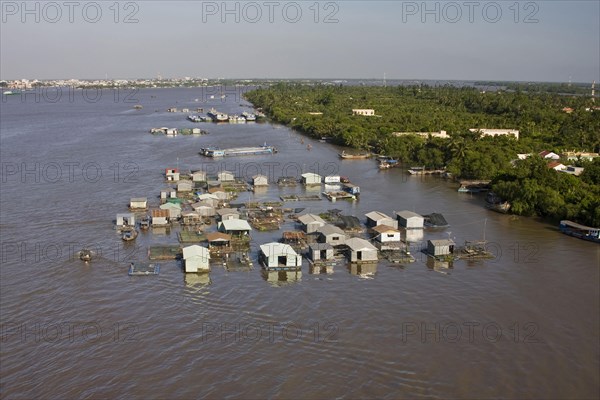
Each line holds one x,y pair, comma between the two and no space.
495,203
468,189
129,234
308,147
145,223
580,231
85,255
346,156
435,220
138,107
248,116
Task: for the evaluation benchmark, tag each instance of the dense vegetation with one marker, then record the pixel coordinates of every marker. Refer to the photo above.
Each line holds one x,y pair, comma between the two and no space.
532,188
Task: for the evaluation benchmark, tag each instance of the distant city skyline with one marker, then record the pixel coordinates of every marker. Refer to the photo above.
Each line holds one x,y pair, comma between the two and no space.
554,41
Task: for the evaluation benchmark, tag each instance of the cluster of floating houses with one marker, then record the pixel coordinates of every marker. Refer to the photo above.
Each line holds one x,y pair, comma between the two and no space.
212,228
216,116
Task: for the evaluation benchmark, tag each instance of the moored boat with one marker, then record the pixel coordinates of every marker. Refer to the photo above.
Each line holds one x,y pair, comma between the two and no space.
580,231
129,234
85,255
347,156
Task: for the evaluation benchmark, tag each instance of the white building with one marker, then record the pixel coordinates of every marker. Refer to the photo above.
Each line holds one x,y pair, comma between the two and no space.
496,132
225,176
199,176
138,203
184,186
174,210
440,134
368,112
260,180
279,256
196,258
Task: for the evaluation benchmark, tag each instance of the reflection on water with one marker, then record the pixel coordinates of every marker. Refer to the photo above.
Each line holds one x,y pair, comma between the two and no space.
439,266
197,281
281,278
366,270
320,269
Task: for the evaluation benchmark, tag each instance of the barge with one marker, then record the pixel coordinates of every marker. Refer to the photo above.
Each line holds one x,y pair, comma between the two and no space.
580,231
237,151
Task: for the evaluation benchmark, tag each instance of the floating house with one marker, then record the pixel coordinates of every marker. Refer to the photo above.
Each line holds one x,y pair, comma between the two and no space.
184,186
332,235
218,241
168,193
191,218
225,176
440,247
311,222
126,219
228,213
174,210
320,252
410,220
361,251
279,256
172,174
196,258
209,199
260,180
332,179
204,209
387,238
138,203
198,176
220,194
310,178
352,188
235,227
375,218
160,217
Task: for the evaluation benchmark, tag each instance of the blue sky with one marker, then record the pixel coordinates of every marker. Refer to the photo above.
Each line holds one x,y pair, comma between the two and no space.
464,40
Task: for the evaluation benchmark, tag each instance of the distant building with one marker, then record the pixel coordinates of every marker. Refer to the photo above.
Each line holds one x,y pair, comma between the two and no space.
160,217
172,174
497,132
368,112
555,165
279,256
572,170
576,155
184,186
174,210
225,176
199,176
549,155
138,203
440,134
228,213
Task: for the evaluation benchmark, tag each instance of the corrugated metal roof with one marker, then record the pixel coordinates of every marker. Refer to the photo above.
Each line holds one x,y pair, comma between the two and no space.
236,225
307,218
275,249
408,214
358,244
376,216
329,229
195,250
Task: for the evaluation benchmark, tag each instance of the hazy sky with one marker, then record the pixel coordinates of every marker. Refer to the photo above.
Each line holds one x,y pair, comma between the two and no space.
465,40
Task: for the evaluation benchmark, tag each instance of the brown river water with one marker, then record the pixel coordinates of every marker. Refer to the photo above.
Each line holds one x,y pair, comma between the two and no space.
522,325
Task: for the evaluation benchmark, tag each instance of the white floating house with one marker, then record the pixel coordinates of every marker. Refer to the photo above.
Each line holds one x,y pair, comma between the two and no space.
172,174
225,176
410,220
160,217
360,250
138,203
196,258
331,179
221,195
174,210
441,247
125,219
331,234
235,227
387,238
199,176
279,256
375,218
310,178
168,193
184,186
260,180
311,222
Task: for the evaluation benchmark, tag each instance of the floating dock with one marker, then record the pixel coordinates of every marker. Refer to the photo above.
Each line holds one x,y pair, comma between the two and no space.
143,269
333,196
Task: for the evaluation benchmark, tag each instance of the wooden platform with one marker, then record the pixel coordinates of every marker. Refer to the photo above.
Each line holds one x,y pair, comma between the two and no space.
164,252
190,237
